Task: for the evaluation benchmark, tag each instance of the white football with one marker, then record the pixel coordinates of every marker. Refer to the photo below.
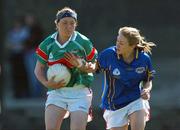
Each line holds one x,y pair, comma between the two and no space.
60,72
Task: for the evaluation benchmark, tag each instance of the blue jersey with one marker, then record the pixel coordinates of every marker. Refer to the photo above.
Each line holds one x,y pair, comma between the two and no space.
121,80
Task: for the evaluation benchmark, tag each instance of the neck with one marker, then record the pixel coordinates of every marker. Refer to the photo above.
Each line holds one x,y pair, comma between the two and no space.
128,57
62,39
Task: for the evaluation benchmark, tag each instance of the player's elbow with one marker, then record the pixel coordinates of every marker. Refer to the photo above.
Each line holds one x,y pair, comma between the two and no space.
35,72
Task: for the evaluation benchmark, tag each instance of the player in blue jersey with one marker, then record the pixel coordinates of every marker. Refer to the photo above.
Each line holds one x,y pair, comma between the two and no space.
128,75
74,98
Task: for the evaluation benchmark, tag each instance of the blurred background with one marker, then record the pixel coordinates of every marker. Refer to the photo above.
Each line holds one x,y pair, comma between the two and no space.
24,23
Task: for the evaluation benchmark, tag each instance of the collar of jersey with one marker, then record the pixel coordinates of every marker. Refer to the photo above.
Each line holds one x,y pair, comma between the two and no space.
72,38
136,53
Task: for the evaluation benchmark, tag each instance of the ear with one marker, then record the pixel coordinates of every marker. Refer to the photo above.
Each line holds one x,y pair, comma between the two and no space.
76,23
55,21
134,46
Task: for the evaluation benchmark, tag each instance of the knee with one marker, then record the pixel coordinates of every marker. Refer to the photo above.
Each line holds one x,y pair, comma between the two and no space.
80,127
137,127
51,128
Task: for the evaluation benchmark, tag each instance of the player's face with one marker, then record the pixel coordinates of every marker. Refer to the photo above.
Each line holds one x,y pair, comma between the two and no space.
66,26
122,45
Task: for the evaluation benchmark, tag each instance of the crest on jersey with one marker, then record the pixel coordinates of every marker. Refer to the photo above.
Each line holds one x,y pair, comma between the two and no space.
140,70
50,56
116,72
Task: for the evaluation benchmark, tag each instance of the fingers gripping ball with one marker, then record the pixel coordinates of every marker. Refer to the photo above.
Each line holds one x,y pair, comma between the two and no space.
60,72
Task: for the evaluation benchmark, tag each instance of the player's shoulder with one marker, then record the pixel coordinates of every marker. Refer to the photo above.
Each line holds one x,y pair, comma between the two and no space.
109,50
81,38
49,39
144,56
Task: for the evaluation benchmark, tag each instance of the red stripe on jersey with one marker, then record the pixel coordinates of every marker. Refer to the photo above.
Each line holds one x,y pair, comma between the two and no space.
61,61
91,55
41,54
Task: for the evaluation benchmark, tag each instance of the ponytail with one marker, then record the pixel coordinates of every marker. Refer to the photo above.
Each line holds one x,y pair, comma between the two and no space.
145,46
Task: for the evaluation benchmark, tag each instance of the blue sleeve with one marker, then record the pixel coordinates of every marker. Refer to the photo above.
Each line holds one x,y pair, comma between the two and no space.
103,60
150,70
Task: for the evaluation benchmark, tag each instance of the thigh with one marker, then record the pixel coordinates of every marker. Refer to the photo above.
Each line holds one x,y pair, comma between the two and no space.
120,128
137,120
53,117
80,104
116,120
78,120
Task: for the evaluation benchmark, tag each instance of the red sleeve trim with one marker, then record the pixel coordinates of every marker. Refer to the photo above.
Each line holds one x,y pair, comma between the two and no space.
61,61
91,55
41,54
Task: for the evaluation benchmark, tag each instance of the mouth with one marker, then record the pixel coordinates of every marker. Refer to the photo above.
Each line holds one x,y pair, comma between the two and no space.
118,49
118,52
68,31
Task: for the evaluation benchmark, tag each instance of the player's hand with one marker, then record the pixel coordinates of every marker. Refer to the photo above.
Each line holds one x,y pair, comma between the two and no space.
55,85
145,94
74,60
90,67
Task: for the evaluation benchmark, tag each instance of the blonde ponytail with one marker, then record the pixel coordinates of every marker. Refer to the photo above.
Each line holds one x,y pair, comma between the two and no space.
145,46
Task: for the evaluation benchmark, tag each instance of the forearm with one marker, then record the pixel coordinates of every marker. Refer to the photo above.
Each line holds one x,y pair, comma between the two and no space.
88,67
80,63
39,73
147,85
145,92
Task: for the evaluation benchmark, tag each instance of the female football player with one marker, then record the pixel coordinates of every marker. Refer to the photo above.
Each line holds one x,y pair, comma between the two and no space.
76,96
128,75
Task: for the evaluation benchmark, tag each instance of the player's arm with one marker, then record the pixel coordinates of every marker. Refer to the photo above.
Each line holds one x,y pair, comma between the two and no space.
145,93
148,86
147,83
40,74
89,67
80,63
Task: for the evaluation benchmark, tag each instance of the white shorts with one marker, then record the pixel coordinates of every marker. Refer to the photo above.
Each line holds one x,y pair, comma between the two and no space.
72,99
119,118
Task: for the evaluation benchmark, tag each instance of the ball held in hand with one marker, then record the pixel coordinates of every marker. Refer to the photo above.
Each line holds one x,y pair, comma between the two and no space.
60,71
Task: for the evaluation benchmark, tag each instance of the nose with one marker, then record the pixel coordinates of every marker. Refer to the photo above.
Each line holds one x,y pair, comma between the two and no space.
69,26
117,44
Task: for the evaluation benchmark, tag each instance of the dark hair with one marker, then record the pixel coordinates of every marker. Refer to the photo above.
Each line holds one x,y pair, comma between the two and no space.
65,12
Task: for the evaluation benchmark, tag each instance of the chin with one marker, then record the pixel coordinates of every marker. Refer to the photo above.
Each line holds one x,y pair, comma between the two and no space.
69,34
118,52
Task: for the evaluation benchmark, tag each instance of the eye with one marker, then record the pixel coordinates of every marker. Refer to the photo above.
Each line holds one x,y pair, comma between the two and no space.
121,43
72,23
64,22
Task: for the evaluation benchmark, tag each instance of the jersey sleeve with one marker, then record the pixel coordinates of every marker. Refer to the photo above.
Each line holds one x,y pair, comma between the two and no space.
102,60
42,52
91,52
149,70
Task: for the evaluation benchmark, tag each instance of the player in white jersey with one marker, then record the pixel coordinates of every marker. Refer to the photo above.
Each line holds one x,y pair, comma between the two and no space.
76,96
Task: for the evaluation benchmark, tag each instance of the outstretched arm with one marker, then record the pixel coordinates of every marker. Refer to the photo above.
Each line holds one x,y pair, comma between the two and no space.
80,63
